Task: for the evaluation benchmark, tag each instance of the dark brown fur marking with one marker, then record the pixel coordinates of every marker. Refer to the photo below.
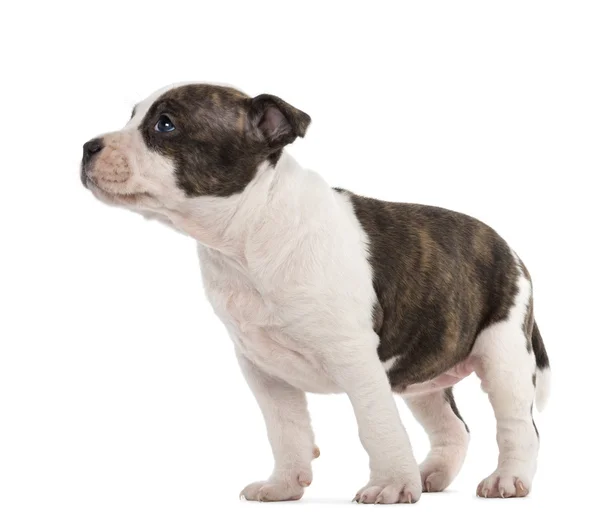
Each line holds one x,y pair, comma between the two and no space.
528,320
221,135
534,425
539,350
440,278
528,324
377,317
449,396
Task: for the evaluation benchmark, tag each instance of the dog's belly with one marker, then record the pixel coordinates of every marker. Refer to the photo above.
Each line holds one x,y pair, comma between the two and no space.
444,380
276,356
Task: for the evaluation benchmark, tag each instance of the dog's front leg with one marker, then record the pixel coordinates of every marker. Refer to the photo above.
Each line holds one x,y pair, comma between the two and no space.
290,434
394,471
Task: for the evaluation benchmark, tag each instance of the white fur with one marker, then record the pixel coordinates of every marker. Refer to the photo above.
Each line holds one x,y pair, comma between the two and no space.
448,437
290,434
387,365
285,266
505,368
542,388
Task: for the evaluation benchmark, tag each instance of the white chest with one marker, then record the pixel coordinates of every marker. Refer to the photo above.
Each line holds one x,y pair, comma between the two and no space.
258,327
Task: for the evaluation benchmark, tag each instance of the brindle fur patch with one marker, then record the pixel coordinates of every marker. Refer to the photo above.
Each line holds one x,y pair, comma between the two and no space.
377,317
528,320
218,142
449,397
539,350
534,425
441,277
528,324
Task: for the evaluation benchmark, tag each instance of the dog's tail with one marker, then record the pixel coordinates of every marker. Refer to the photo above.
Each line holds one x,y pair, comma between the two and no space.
542,371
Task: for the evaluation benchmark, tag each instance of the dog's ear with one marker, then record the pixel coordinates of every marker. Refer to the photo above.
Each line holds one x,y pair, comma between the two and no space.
275,122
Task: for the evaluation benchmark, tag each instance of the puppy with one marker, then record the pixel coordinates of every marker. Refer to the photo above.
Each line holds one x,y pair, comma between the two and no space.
325,291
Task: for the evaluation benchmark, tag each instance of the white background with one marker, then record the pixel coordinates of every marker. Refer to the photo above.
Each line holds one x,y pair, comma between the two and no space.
121,405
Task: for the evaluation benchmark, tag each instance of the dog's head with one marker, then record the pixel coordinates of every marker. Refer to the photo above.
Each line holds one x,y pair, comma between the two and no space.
189,141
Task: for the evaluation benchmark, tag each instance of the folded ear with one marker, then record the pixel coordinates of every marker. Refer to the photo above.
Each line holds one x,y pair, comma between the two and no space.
276,122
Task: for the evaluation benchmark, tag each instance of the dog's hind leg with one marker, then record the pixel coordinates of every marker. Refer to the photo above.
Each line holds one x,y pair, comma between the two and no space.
506,364
448,436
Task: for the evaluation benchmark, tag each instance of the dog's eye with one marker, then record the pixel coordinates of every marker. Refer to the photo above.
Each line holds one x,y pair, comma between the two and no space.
164,124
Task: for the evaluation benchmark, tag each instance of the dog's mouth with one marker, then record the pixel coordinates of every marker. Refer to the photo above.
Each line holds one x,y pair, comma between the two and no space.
83,176
111,196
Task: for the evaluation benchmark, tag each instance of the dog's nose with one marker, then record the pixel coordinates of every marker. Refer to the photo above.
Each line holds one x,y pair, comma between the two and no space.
91,148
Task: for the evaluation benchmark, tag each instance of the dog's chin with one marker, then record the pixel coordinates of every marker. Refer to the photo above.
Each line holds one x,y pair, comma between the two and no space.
138,200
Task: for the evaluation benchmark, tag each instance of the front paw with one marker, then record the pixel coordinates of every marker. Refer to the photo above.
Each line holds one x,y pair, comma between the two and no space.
391,490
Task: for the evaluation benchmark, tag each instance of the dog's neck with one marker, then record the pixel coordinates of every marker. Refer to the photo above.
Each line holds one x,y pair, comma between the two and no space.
225,224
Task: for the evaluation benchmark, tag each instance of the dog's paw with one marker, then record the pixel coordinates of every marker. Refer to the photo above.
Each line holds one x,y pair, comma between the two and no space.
436,479
280,487
390,491
267,491
503,485
441,466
